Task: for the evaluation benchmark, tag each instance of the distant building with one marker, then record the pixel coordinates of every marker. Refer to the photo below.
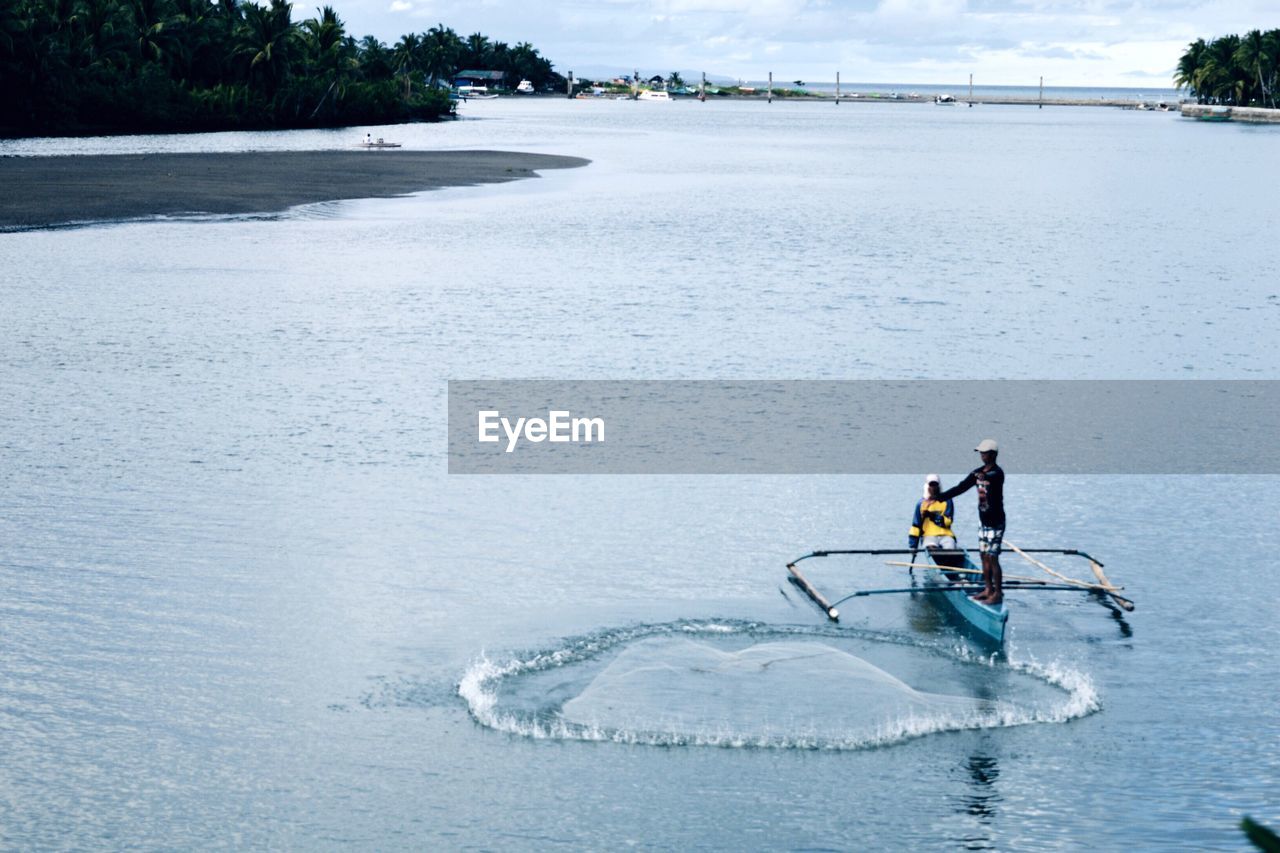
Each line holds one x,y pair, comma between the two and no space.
657,80
473,78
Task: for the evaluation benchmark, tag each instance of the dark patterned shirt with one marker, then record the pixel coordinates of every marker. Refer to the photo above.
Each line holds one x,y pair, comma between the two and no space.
990,494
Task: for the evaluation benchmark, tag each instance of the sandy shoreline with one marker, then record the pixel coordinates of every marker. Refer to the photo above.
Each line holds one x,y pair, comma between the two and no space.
47,191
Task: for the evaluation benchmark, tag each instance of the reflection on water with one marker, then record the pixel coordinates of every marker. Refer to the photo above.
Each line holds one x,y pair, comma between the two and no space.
929,613
981,798
1126,630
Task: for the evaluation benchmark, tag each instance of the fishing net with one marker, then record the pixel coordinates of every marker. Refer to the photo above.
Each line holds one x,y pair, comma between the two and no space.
769,691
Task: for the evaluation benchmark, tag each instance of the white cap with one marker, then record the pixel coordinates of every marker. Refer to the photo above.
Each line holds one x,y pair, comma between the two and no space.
987,444
932,478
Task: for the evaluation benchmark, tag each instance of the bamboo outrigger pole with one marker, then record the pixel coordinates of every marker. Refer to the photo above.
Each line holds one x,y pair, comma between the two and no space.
1105,585
958,586
958,570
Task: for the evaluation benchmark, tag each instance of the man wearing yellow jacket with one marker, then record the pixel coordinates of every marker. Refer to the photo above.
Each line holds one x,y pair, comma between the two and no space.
931,525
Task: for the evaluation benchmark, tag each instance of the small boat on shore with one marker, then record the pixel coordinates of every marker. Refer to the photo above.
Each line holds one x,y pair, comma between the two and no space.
1215,114
524,88
475,93
944,100
369,142
951,579
653,95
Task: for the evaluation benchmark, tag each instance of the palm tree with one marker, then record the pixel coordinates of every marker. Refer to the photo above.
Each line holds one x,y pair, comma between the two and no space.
229,14
66,65
375,59
1219,71
1190,67
675,81
100,44
202,30
405,57
330,54
41,59
148,18
500,56
324,38
1271,42
524,62
477,51
266,39
1251,55
441,47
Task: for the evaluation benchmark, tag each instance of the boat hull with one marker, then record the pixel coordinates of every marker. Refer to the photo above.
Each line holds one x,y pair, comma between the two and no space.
984,620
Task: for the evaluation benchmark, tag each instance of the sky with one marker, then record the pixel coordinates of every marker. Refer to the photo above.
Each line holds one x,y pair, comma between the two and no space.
1001,42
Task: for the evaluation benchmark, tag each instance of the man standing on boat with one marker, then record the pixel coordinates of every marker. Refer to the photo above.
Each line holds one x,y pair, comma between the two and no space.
931,525
989,478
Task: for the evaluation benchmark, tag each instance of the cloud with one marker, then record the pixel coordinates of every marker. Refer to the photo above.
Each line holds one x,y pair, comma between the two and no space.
1060,52
890,40
921,10
740,8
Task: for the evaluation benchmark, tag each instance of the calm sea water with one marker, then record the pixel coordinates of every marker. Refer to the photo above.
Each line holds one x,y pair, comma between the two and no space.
243,604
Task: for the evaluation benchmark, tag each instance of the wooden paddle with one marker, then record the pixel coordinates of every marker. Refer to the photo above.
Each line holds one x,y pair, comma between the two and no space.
1108,588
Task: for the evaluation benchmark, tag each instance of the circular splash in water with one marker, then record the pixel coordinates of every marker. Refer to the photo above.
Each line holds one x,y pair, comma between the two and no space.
745,684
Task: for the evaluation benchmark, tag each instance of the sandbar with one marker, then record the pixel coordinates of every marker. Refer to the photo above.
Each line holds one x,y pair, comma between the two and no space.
41,192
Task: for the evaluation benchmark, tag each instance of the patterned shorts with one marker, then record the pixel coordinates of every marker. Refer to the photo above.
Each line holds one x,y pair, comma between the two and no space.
990,539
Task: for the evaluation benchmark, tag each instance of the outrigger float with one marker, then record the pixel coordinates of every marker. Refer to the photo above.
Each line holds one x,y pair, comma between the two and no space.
951,577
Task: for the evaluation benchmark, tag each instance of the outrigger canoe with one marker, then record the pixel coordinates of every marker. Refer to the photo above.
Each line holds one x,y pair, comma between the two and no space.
986,619
951,578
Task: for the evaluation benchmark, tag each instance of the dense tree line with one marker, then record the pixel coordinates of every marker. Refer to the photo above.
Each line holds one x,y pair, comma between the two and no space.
81,66
1236,70
442,53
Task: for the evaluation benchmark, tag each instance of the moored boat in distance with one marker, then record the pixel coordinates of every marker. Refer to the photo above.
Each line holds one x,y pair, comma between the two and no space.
476,93
370,142
944,100
653,95
524,88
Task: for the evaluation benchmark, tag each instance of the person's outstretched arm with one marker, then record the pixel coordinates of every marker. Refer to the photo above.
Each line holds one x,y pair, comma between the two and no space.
959,488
